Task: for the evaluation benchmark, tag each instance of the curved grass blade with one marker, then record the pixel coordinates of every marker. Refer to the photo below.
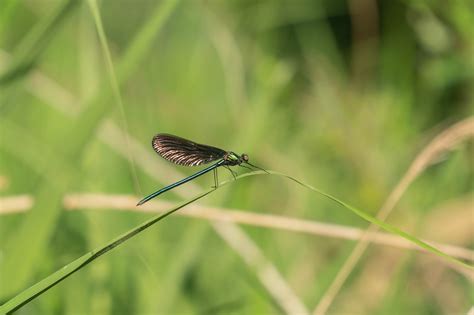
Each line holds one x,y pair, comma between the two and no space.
55,278
39,288
23,251
367,217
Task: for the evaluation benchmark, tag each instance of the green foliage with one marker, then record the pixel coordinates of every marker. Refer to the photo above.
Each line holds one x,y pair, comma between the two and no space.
339,94
39,288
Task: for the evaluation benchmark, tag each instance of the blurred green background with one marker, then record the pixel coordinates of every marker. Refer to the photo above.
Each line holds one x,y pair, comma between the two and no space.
341,94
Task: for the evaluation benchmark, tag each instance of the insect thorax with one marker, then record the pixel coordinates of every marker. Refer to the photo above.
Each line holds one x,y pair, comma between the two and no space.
232,158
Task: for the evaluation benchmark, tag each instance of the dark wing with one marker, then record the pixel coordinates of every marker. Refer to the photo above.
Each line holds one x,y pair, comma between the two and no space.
185,152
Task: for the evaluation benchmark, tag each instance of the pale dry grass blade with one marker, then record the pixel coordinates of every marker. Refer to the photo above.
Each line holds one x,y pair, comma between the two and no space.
16,204
442,143
226,215
439,283
265,271
115,88
46,89
364,294
231,60
112,135
448,222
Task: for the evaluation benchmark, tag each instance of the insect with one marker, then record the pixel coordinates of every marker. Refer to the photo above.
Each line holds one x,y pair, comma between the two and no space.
188,153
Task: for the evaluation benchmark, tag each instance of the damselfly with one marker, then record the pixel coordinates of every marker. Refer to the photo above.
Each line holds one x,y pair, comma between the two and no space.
188,153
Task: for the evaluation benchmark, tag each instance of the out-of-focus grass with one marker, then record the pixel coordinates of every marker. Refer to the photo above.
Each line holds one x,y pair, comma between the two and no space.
290,83
57,277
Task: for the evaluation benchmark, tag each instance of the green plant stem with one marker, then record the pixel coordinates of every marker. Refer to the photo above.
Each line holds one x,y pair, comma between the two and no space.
49,194
55,278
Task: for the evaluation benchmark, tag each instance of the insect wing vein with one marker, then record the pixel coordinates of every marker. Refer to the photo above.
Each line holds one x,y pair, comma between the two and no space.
185,152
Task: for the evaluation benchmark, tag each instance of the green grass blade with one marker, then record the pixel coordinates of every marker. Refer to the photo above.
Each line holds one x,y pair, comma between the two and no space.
19,264
113,82
55,278
364,215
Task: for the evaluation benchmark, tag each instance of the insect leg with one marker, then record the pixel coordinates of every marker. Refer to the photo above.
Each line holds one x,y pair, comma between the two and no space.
246,167
248,163
216,179
234,174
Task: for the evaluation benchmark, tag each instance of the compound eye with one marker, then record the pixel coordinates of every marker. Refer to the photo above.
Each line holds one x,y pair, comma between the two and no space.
245,157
